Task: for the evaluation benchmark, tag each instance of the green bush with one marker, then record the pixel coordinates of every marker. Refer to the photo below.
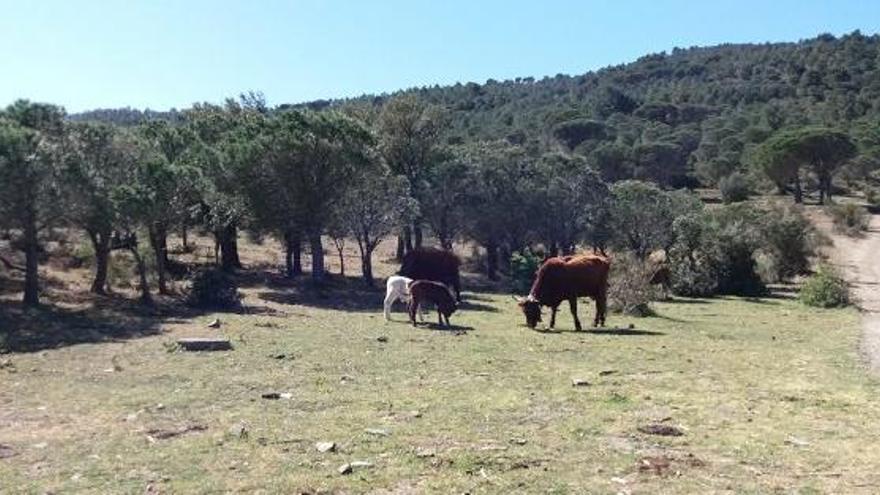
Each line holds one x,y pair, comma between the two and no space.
825,289
734,188
81,256
850,219
872,196
787,240
523,267
629,286
214,289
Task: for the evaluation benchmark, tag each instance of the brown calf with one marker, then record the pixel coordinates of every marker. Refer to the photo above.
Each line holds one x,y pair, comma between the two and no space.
422,291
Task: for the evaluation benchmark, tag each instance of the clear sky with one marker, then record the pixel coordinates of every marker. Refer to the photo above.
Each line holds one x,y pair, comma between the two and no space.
170,53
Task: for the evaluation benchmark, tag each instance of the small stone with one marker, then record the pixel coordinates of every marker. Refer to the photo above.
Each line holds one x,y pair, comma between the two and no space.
349,467
238,430
285,395
518,441
377,432
423,453
345,379
415,414
797,442
160,407
579,382
215,323
271,395
382,338
324,447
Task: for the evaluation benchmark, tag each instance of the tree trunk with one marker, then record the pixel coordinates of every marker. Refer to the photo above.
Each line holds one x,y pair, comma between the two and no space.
317,257
407,240
341,262
293,254
504,255
492,260
101,245
417,234
798,191
31,254
367,266
228,240
401,248
824,189
184,238
142,275
158,242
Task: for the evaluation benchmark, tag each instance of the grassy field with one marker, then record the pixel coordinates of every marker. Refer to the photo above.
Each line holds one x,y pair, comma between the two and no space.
770,396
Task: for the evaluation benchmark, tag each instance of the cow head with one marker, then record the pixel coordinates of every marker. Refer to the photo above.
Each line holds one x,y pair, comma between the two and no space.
531,308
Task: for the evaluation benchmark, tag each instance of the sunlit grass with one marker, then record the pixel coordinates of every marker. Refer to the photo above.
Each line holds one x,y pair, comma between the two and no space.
770,396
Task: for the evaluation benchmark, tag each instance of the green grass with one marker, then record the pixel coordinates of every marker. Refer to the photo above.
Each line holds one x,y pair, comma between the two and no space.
771,396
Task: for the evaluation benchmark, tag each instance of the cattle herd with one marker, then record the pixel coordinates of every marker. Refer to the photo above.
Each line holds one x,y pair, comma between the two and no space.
430,276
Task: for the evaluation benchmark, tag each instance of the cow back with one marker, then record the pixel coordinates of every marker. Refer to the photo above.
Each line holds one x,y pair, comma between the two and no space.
560,279
431,264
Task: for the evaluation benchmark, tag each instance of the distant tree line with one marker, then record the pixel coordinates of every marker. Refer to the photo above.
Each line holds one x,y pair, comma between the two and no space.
595,160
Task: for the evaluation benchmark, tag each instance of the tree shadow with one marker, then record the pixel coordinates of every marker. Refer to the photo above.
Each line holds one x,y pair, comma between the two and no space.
50,327
685,300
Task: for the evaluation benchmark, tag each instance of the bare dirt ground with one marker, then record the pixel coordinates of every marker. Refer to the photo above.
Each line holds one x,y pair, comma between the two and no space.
858,260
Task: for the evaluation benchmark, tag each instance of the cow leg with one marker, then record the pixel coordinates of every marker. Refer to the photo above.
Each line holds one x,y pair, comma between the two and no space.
573,303
601,306
389,300
439,316
413,308
553,316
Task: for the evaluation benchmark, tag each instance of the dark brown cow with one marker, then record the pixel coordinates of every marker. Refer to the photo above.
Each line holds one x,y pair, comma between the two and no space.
427,291
433,264
567,278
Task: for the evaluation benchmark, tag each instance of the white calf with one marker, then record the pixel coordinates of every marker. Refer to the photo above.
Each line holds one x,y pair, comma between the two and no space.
396,289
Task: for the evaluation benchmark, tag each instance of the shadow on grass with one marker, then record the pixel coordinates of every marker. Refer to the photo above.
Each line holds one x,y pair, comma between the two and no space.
337,293
50,327
632,332
452,328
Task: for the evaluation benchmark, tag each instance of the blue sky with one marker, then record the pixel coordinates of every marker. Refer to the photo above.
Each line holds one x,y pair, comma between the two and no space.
167,53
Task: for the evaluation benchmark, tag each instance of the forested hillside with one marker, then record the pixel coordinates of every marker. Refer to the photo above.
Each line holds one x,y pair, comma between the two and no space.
514,167
672,117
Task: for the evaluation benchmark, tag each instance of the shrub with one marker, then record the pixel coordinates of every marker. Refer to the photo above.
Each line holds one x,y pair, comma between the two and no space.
81,256
693,256
734,188
872,197
849,218
825,289
786,243
629,287
523,267
214,289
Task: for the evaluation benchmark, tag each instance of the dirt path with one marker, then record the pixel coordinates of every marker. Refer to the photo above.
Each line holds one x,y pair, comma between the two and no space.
858,260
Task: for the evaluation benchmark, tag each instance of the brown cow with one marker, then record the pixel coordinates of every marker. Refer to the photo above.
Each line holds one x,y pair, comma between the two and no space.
433,264
568,278
427,291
